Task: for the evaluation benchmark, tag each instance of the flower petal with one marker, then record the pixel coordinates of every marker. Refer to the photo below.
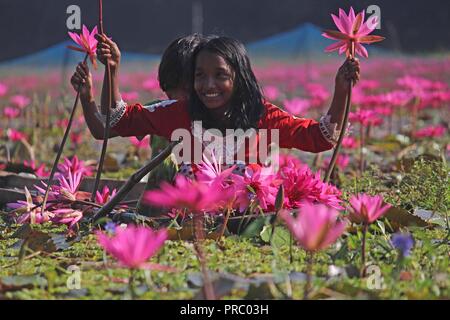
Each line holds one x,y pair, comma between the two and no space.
336,46
371,39
338,23
335,35
361,50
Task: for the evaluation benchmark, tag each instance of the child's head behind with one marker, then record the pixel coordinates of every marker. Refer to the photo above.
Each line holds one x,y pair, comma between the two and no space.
173,70
224,80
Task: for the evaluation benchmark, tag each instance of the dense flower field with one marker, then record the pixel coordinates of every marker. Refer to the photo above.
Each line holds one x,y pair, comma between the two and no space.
378,229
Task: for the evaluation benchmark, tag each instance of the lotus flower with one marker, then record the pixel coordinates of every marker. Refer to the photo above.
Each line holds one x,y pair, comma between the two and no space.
316,226
352,29
133,246
366,209
86,42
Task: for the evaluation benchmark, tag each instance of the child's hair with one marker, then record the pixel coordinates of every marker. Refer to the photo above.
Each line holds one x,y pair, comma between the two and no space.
176,61
247,99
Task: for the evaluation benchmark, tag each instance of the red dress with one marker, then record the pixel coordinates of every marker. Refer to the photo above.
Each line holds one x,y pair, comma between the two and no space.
164,118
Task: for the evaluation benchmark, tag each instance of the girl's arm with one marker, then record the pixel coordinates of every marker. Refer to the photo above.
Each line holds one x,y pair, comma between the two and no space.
108,51
83,77
349,71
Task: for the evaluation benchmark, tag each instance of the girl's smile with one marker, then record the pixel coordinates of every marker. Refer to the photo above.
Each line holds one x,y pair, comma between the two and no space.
213,80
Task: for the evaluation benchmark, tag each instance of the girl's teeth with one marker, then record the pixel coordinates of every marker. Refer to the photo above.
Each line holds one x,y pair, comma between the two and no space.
211,95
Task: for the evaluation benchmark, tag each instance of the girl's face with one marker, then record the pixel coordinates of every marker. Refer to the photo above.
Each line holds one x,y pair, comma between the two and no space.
213,80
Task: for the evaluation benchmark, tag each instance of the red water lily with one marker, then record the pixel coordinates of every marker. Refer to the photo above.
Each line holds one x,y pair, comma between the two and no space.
352,29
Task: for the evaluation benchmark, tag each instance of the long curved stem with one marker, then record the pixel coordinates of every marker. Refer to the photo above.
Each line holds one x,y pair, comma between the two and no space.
61,146
108,114
363,251
343,126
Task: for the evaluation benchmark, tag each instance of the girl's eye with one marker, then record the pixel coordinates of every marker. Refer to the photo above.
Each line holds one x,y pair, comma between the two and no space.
198,74
224,76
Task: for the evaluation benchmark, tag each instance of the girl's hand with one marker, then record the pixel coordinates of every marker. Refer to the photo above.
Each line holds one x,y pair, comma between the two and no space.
349,71
107,50
83,77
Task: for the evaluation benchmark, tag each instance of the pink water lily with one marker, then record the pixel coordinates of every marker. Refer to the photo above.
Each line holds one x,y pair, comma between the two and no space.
20,101
67,216
302,185
271,92
104,196
211,170
31,213
11,113
257,184
76,138
15,135
140,144
86,42
130,96
431,132
297,106
40,171
3,89
352,29
366,209
315,227
185,194
74,165
133,246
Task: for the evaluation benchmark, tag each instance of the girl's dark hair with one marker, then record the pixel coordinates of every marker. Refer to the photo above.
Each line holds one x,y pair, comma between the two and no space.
176,61
247,100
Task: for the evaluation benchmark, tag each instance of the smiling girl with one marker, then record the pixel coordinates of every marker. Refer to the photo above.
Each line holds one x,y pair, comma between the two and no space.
224,94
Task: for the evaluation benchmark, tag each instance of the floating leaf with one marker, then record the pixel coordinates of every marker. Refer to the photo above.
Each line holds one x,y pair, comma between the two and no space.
430,217
399,217
16,283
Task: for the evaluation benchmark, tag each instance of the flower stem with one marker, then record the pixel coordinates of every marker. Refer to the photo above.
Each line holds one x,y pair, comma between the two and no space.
343,125
208,289
131,286
225,222
361,149
291,254
309,266
363,251
63,142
